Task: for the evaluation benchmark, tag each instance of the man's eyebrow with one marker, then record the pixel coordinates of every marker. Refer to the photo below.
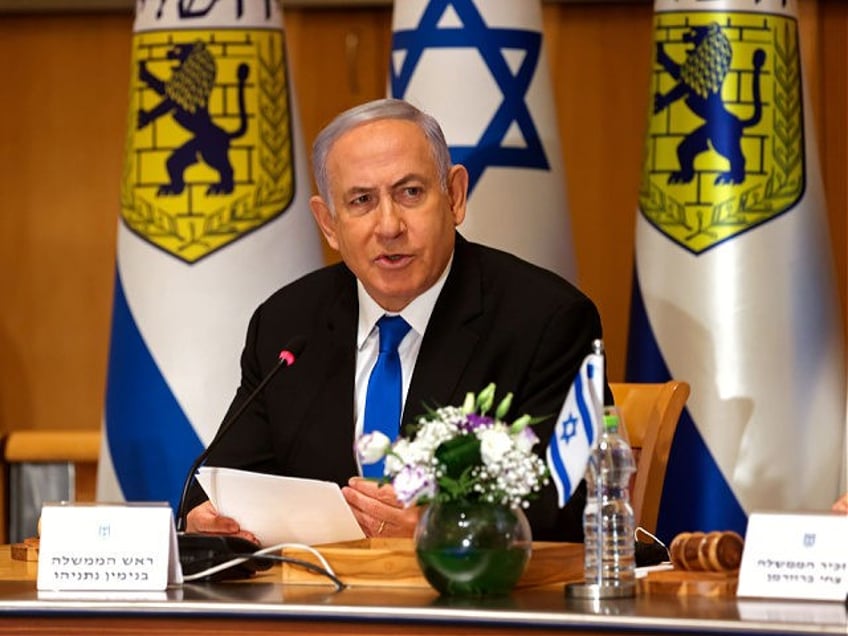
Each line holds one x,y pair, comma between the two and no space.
404,180
357,190
407,178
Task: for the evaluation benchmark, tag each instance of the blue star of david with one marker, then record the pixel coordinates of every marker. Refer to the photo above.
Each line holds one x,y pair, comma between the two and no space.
490,42
569,428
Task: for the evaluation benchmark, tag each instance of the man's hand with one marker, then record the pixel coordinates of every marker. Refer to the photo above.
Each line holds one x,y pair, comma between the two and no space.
377,510
204,518
841,504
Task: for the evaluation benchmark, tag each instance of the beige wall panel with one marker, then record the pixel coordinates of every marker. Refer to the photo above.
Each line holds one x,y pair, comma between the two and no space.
61,127
600,62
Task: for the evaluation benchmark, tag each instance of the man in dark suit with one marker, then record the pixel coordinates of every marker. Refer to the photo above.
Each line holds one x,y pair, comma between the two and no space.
390,201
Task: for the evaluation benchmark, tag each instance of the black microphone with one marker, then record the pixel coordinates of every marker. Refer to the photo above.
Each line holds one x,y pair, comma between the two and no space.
198,549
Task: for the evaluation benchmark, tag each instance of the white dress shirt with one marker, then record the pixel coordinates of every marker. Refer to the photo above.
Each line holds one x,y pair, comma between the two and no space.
416,314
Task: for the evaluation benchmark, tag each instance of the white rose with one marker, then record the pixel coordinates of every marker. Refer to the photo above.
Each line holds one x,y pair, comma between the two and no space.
401,454
494,444
372,447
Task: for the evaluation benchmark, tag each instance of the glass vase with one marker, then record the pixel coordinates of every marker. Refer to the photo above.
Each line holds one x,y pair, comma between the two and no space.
472,548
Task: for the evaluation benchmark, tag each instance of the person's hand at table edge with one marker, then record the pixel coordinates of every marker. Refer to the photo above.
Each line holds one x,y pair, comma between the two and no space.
205,519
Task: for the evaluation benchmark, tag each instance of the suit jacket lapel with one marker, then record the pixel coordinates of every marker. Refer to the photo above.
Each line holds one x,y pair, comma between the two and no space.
451,336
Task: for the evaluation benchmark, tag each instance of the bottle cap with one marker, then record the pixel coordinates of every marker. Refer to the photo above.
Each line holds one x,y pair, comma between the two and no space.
610,422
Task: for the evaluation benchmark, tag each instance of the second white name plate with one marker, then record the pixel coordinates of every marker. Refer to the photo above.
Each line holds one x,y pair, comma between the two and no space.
795,556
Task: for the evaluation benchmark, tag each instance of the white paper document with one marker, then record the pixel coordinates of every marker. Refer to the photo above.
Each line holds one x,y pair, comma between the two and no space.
281,509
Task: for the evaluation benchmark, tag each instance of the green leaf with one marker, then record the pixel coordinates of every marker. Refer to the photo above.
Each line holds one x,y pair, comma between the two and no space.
459,454
460,488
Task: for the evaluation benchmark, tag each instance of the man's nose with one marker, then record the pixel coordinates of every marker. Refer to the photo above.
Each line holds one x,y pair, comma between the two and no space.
390,220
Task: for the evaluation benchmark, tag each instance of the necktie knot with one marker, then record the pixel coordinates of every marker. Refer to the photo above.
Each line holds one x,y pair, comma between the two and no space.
392,330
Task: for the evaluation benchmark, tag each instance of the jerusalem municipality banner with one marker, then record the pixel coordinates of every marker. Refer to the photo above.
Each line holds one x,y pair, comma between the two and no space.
734,288
479,67
213,218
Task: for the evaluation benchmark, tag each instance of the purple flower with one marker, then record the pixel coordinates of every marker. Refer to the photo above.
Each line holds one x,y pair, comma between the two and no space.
412,483
473,421
526,439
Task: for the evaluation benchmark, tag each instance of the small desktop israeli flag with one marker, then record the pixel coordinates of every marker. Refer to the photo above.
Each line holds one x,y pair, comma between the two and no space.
577,427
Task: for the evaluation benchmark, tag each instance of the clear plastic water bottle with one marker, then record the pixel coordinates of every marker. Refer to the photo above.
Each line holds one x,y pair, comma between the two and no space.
610,560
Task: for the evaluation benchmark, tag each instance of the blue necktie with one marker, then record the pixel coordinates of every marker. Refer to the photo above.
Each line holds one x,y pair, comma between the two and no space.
383,398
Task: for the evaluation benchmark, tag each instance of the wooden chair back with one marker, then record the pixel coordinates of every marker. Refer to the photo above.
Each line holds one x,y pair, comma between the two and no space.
78,447
650,413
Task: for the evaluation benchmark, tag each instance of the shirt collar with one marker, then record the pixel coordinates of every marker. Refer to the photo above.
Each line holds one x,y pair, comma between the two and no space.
417,313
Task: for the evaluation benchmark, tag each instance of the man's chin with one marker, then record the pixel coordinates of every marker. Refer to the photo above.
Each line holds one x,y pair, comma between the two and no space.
393,298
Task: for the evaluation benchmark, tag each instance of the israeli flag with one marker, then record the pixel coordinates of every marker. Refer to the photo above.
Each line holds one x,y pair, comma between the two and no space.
214,217
577,428
479,67
734,288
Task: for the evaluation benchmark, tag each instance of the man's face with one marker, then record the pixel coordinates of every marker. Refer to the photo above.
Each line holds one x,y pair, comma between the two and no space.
392,223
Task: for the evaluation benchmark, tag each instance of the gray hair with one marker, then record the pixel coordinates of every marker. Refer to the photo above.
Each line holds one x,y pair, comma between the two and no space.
373,111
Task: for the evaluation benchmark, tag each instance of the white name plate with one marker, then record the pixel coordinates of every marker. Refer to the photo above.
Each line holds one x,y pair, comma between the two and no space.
797,556
107,547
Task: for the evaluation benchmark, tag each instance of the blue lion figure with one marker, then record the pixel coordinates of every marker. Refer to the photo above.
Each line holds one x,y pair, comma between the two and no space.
699,81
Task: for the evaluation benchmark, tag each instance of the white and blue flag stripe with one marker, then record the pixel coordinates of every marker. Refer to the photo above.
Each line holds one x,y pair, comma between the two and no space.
576,429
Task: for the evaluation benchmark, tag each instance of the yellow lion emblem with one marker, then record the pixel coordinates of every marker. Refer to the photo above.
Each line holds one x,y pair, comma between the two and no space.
209,155
699,83
720,160
186,97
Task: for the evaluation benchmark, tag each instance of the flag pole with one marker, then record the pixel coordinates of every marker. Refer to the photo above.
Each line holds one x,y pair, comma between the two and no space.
598,395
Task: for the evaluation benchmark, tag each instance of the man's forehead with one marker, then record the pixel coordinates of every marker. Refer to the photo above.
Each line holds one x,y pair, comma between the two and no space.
371,155
391,128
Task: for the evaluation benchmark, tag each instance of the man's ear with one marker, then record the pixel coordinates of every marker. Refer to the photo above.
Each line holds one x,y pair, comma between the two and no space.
325,220
458,192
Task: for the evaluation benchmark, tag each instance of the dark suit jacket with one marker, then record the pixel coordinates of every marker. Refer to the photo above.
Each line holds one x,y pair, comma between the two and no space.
498,319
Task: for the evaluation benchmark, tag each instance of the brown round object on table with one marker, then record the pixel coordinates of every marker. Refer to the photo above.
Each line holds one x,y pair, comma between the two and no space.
675,550
709,539
690,550
684,550
725,553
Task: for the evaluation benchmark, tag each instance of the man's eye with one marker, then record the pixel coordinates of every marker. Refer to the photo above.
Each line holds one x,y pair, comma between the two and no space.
361,200
412,192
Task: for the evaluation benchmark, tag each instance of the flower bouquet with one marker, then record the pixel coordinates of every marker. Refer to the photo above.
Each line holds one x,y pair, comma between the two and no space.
462,454
477,473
